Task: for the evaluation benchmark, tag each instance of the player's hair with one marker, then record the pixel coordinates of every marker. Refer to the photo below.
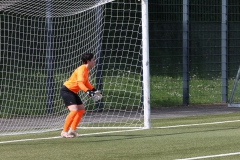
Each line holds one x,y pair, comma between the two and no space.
87,57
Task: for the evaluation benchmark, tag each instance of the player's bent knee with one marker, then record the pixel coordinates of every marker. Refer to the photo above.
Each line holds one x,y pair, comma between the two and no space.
81,107
73,107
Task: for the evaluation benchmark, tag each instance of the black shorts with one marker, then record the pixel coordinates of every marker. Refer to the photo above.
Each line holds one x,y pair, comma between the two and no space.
69,97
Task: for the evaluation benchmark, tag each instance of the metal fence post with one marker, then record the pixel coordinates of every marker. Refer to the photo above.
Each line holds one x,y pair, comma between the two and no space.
185,53
224,37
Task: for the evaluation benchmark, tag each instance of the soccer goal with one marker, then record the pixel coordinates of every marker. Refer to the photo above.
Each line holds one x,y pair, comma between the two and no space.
41,45
234,100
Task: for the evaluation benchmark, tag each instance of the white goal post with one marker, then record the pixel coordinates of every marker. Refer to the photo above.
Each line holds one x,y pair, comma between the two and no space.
41,45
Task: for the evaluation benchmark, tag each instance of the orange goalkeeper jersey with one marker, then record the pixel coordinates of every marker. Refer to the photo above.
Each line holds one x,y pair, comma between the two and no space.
79,80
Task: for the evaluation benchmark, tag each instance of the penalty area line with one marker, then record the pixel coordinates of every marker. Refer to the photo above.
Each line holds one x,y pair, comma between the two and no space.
81,135
196,124
211,156
25,140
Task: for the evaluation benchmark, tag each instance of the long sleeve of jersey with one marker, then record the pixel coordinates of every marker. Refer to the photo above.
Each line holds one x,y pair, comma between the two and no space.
82,79
79,80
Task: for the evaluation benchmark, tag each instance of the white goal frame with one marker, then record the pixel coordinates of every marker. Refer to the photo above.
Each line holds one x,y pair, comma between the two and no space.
20,64
146,74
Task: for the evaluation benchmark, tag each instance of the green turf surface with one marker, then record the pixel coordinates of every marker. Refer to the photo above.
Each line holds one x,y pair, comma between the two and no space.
191,140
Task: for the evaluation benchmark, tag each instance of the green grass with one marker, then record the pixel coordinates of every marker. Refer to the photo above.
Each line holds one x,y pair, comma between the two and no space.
119,91
152,144
167,91
122,89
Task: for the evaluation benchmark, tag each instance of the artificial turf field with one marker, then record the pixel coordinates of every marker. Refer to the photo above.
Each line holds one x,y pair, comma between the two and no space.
190,137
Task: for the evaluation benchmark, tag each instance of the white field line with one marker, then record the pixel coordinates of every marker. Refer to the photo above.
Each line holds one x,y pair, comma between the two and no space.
165,127
211,156
201,124
88,134
197,124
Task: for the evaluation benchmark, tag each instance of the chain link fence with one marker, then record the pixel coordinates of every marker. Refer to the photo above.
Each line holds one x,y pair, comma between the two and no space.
194,54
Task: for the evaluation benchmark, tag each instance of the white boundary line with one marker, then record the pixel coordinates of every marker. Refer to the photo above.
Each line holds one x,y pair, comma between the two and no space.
212,156
164,127
25,140
197,124
35,139
201,124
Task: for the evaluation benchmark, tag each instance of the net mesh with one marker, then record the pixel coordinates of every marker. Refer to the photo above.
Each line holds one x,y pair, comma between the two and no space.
42,43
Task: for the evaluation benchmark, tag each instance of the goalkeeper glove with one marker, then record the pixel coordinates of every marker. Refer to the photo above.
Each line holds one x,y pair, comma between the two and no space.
90,93
95,95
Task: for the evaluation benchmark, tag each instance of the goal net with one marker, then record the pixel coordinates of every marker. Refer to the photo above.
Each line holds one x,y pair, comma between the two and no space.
234,100
41,45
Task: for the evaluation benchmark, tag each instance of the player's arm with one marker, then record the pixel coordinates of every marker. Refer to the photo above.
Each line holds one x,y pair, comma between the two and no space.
92,92
85,85
81,79
88,88
83,82
95,94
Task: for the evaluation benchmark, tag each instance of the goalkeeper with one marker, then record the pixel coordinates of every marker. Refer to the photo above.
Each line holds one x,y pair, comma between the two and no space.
77,81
